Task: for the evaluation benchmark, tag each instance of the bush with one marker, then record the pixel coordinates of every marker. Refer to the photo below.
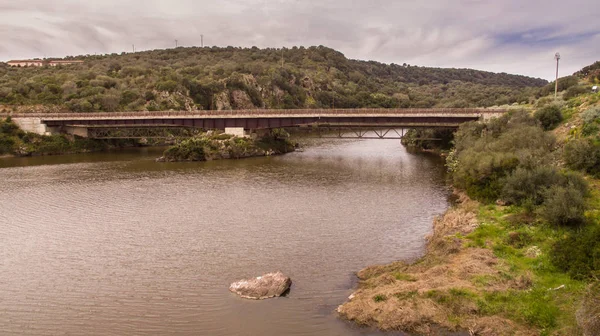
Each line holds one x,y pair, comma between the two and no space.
575,91
591,115
6,144
192,149
591,121
579,253
527,187
485,154
563,205
584,155
549,116
8,127
590,129
168,85
480,174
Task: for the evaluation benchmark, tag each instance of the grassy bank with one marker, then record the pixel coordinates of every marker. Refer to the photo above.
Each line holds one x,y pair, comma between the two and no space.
218,146
16,142
519,254
484,271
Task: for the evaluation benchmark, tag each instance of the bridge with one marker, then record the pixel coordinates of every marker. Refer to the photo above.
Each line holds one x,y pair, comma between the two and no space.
114,125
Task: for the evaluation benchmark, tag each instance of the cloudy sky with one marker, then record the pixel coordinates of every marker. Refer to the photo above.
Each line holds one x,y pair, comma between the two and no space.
514,36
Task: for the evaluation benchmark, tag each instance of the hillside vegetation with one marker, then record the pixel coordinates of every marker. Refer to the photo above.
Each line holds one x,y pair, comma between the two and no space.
239,78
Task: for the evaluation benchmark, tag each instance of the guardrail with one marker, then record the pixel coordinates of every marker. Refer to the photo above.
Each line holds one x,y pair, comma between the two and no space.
266,112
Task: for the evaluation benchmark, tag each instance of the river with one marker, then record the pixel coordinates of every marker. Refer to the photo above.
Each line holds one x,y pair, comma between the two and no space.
117,244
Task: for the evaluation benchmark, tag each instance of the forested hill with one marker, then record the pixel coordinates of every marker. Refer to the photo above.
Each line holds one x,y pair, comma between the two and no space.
236,78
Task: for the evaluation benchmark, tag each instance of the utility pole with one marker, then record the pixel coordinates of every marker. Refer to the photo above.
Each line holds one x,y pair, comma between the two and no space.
202,41
175,43
557,58
133,47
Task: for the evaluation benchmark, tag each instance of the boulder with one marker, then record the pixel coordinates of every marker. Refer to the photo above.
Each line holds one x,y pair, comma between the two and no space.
263,287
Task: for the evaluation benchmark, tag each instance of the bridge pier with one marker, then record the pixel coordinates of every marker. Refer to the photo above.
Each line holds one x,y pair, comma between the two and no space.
236,131
78,131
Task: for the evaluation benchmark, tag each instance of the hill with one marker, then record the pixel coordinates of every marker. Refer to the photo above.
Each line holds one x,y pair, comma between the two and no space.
235,78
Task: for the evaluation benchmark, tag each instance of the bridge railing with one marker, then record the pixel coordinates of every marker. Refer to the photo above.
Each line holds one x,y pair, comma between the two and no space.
270,112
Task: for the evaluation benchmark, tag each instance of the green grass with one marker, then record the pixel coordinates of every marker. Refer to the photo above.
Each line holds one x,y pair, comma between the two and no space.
533,307
379,298
404,277
484,280
406,295
539,306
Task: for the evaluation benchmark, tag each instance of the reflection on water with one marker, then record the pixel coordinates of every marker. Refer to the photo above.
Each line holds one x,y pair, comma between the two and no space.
116,243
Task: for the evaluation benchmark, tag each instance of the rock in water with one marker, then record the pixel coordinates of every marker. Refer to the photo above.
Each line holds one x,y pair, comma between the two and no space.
263,287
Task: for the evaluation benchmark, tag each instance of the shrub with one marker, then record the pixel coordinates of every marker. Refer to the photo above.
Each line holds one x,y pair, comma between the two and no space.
575,91
579,253
591,115
80,105
563,205
486,154
591,121
279,134
168,85
584,155
526,186
549,116
8,127
480,174
149,95
6,144
590,129
192,149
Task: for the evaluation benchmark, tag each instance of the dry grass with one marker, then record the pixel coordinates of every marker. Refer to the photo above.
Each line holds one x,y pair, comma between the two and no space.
439,289
588,315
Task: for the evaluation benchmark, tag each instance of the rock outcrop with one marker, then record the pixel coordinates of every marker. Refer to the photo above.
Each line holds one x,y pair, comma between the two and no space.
263,287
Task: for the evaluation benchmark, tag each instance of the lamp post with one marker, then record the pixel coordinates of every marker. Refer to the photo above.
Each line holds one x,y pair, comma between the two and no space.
557,58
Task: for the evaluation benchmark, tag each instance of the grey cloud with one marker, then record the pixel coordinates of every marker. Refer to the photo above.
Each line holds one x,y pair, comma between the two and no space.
461,33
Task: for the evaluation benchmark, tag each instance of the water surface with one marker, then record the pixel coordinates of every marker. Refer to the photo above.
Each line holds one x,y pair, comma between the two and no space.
115,243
